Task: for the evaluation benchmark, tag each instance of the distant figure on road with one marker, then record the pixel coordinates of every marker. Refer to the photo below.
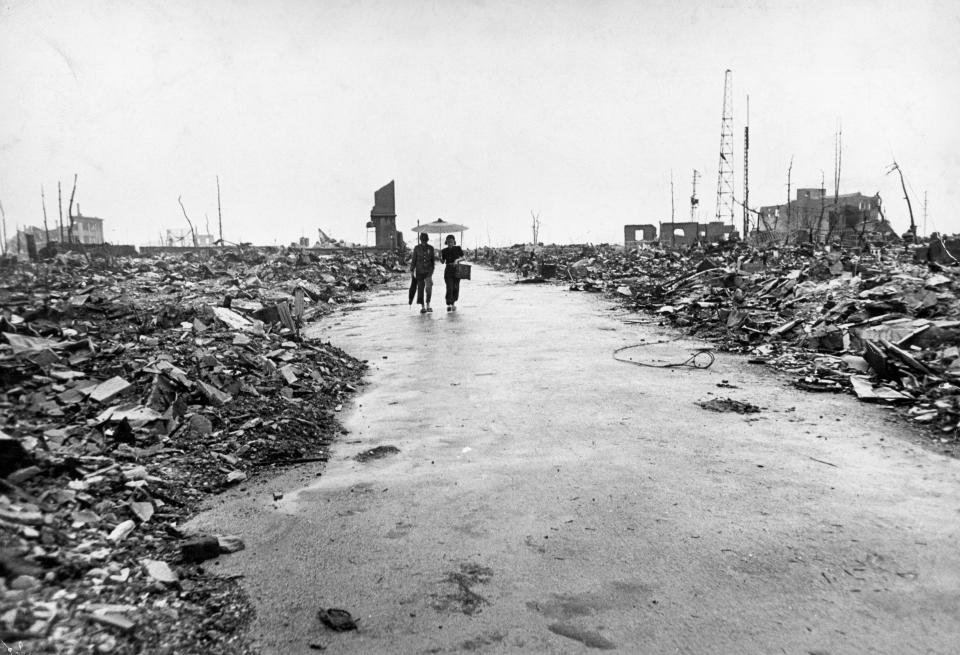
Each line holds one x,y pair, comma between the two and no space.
421,265
450,256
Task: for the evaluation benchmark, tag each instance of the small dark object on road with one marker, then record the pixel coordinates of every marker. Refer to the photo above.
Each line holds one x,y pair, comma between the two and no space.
729,405
811,383
377,453
336,619
200,549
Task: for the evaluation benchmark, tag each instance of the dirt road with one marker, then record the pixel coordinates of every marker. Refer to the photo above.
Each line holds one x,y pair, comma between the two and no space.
549,499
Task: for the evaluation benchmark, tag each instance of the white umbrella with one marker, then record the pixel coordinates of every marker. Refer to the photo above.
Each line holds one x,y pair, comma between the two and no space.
441,227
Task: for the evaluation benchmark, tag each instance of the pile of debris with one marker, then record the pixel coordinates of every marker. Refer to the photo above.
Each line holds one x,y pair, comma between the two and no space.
131,390
877,324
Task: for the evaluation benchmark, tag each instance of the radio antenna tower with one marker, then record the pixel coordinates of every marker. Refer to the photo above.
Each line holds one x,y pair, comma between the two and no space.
725,169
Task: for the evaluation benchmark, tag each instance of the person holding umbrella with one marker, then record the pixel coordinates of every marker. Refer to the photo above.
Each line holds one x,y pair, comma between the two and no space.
421,266
450,256
439,227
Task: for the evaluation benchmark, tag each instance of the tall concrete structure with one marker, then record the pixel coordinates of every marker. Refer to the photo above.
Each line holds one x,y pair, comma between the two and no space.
383,217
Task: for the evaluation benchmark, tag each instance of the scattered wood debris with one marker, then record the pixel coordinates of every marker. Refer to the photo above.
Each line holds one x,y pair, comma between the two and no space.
131,389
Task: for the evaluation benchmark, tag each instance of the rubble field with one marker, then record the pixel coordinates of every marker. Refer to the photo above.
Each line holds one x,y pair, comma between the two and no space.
133,389
879,323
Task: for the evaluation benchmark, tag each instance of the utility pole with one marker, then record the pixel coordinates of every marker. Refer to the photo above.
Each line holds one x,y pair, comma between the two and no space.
823,204
694,202
789,212
60,207
837,162
673,215
219,214
924,213
725,168
46,230
746,173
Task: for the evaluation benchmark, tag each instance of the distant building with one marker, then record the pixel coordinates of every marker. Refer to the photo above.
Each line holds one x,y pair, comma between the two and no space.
816,215
86,229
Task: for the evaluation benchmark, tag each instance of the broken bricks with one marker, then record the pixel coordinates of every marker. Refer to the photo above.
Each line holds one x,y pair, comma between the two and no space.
121,409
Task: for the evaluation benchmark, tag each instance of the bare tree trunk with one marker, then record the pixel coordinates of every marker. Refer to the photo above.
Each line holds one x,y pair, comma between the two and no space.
60,208
192,231
70,209
536,227
3,224
219,213
46,230
906,196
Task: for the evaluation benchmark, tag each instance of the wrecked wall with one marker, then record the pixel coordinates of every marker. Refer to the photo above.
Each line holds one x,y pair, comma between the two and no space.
633,234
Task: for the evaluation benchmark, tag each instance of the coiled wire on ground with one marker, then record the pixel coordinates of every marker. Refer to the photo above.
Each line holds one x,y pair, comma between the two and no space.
702,358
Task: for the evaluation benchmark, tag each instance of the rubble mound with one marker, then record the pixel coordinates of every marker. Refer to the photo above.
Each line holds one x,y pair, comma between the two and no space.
132,389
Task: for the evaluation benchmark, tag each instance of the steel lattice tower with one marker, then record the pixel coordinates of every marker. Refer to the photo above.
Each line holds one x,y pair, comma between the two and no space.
725,169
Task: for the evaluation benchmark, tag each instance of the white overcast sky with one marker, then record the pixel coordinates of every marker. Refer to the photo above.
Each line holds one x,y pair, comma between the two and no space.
481,111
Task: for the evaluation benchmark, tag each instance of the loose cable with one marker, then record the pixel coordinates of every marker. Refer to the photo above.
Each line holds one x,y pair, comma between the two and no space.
696,360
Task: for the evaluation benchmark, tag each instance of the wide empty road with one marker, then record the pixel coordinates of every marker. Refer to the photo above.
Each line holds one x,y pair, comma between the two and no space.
546,498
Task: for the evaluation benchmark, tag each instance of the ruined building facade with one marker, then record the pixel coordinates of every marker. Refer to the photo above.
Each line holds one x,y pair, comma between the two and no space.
383,218
678,235
817,216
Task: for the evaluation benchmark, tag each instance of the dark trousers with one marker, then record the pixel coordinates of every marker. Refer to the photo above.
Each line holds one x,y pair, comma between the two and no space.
424,284
453,284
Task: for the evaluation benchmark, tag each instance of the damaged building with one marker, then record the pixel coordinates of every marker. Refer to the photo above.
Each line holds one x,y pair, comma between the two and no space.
634,235
383,219
679,235
851,218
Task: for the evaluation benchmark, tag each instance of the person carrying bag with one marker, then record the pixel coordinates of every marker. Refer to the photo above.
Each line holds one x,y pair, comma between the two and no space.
450,256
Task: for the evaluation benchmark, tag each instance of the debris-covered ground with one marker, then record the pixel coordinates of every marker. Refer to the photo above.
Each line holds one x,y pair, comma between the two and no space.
877,324
132,389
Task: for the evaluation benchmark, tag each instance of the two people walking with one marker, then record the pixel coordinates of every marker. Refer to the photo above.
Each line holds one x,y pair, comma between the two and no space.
421,273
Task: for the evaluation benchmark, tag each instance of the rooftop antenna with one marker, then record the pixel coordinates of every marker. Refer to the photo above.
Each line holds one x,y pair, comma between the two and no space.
725,169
